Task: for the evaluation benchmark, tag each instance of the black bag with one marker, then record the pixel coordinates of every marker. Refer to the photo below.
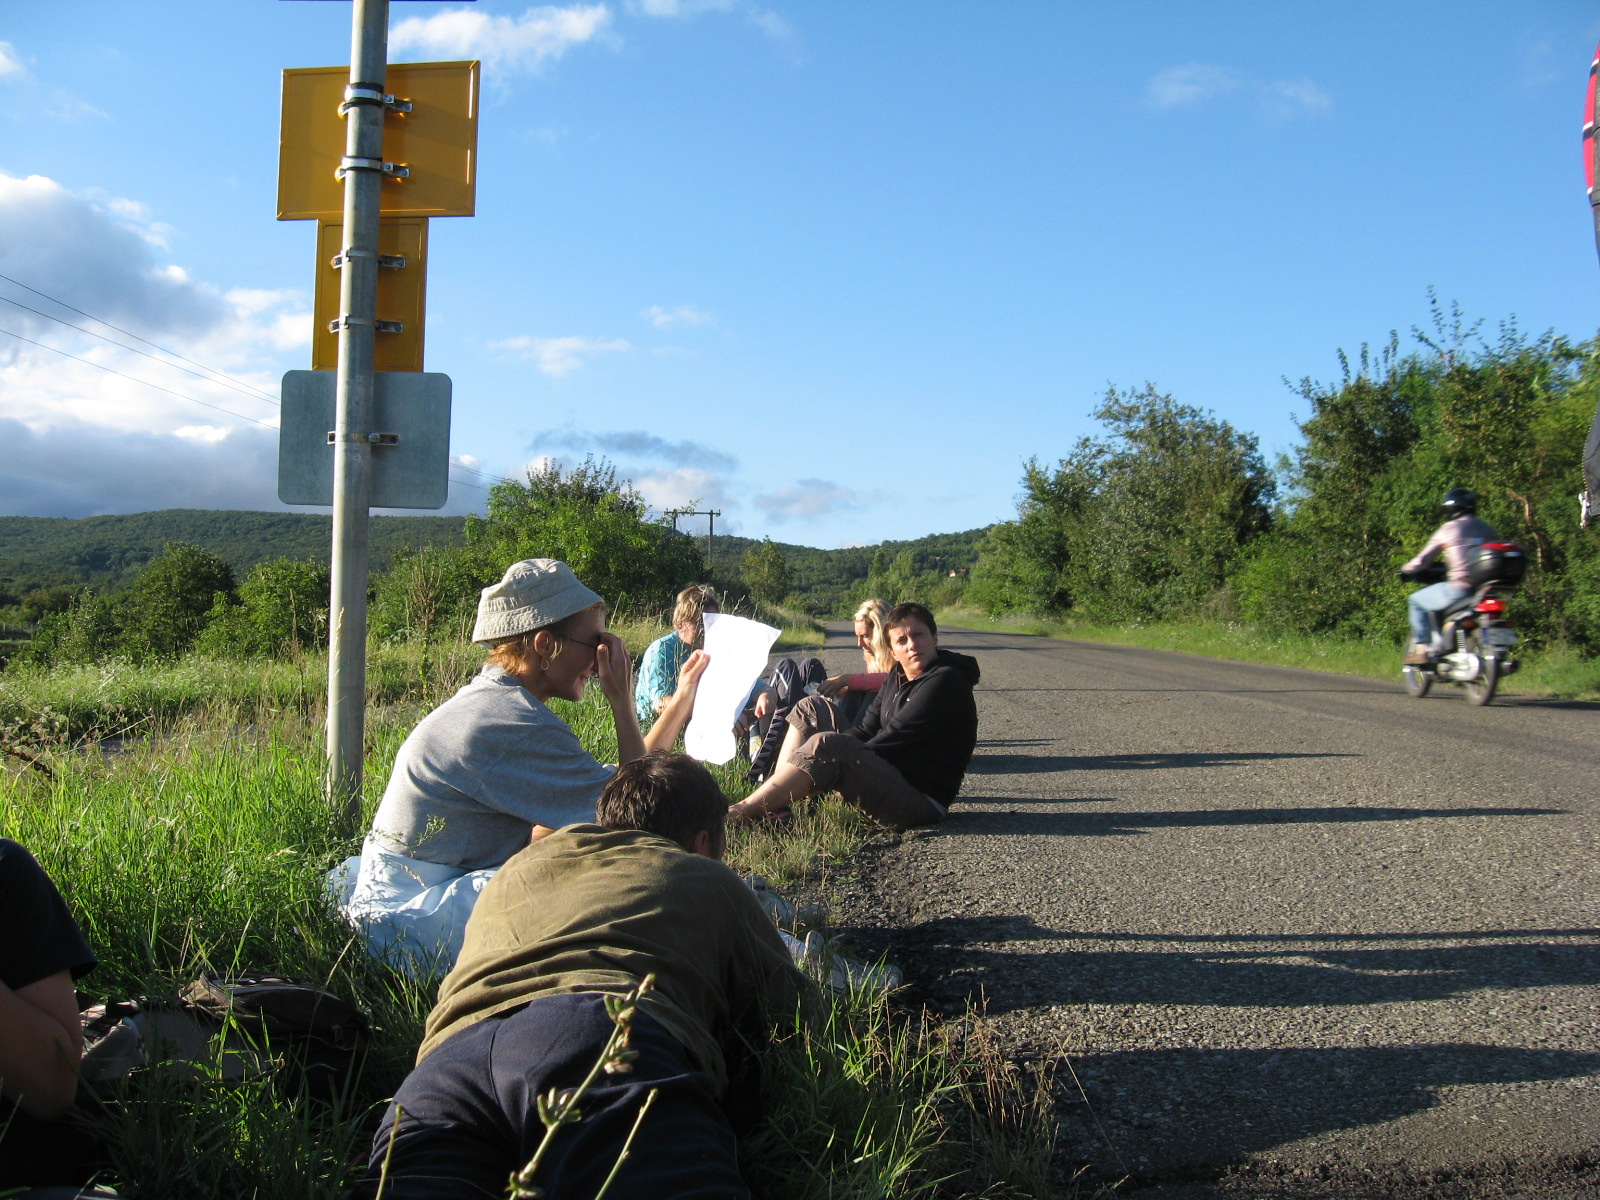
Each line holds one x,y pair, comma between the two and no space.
1501,563
234,1029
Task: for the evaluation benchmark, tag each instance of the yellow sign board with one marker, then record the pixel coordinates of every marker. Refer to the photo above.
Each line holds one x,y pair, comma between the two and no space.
436,142
402,294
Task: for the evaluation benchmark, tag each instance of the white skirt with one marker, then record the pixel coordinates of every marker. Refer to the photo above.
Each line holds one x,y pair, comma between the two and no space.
410,913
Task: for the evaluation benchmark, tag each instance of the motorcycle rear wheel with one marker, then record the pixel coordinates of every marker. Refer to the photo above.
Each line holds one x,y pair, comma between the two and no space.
1417,680
1481,690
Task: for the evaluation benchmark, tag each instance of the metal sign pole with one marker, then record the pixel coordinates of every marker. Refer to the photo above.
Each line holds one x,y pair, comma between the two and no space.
362,168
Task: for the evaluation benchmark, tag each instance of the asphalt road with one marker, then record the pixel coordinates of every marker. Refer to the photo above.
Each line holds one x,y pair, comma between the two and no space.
1295,933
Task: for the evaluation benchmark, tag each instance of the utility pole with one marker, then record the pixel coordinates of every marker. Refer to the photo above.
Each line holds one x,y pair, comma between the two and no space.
362,169
710,514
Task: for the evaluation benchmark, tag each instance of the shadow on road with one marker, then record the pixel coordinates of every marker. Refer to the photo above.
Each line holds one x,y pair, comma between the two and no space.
1081,824
949,961
1148,1109
1031,764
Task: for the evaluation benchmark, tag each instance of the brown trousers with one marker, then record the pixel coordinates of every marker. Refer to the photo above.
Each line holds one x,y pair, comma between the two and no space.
837,762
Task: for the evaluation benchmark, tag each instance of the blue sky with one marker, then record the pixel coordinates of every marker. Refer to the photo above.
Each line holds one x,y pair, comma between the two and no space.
835,269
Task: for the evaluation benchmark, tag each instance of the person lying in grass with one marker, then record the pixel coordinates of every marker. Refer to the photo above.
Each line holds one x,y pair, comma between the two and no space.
577,919
903,762
493,766
42,954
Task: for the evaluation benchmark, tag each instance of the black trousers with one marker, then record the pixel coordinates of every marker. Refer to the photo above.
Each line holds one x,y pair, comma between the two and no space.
471,1118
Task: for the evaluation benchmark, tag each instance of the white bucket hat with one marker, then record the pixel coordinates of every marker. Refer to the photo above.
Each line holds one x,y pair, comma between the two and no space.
533,593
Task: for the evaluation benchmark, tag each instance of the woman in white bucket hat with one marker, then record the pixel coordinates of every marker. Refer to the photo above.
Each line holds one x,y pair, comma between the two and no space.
492,767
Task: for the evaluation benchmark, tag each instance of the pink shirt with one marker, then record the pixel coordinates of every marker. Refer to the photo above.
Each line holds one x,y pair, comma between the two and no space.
1455,538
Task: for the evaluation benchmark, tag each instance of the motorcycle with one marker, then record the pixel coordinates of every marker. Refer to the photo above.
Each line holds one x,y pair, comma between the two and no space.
1476,639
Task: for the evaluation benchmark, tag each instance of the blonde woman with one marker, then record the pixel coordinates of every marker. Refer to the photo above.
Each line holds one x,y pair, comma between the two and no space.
852,693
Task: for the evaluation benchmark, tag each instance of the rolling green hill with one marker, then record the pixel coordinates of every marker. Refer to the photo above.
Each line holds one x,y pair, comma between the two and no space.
105,552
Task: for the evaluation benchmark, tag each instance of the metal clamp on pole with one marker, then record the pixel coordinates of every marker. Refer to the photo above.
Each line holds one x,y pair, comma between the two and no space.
389,169
370,439
392,261
339,323
358,95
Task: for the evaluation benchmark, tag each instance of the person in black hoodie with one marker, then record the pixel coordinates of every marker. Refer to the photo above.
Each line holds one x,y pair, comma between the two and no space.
902,763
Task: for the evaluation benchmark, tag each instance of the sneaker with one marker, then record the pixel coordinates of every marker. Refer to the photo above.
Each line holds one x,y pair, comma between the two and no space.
1421,654
777,907
846,975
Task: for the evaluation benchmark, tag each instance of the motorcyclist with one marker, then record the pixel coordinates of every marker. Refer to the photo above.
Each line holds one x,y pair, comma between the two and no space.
1461,532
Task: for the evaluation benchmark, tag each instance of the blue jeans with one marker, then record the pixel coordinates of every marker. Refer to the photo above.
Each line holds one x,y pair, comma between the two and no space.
1425,602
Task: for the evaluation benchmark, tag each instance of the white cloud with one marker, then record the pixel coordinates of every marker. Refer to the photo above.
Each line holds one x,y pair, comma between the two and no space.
810,498
1285,98
95,419
78,471
510,43
27,98
682,487
95,257
1177,87
682,8
666,318
636,443
561,356
1193,84
201,433
765,20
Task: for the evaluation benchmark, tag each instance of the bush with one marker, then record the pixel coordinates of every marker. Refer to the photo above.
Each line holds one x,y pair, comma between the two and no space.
595,524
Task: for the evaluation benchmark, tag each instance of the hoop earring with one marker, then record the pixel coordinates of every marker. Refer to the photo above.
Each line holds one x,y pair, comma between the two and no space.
544,665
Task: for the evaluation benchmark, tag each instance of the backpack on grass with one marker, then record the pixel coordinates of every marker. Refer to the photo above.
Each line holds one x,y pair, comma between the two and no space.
228,1029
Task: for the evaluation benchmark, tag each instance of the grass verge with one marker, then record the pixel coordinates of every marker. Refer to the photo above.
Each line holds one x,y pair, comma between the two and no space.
201,842
1556,672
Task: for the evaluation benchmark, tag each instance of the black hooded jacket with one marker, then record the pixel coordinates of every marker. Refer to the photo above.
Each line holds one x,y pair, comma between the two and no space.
926,727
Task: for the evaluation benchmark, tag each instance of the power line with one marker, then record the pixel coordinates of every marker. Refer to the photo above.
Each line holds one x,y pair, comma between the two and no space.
127,333
254,394
210,373
113,371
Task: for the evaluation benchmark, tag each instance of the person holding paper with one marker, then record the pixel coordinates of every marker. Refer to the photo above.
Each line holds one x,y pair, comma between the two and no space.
493,767
662,659
903,762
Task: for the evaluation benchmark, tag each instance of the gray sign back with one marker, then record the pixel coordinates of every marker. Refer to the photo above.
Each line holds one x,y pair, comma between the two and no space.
412,405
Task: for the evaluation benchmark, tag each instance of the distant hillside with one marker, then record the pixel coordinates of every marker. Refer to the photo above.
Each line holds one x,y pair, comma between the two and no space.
107,551
820,577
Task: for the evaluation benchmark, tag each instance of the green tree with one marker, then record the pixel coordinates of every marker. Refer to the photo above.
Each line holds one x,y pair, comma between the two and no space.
1505,418
171,600
432,592
1147,522
282,607
766,572
41,602
87,632
598,525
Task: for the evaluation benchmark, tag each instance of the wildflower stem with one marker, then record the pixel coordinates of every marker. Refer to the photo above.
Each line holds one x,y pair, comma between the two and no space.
627,1145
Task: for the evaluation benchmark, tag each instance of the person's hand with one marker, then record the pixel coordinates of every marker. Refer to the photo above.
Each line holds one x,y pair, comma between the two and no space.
763,705
744,812
613,669
539,831
693,668
834,687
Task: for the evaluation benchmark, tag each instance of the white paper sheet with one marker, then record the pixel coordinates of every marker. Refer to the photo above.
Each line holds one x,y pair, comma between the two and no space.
738,649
